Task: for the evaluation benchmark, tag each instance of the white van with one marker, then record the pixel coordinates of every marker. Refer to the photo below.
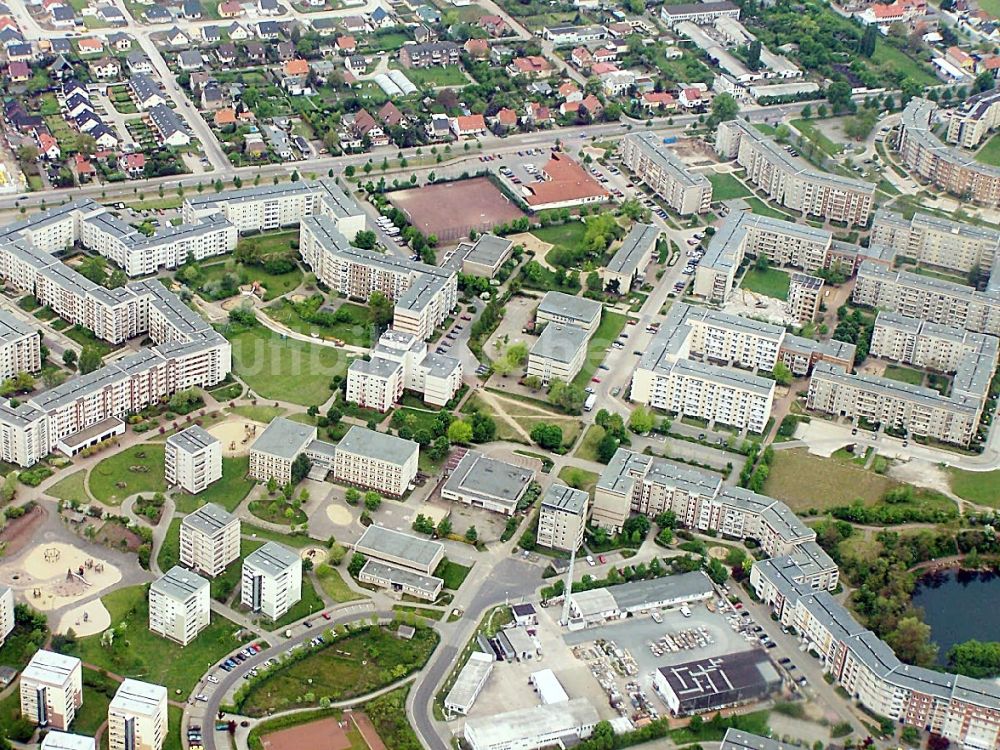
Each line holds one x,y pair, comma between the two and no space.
685,611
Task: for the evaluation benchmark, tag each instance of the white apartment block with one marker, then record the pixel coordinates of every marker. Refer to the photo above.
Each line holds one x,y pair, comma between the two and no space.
970,123
562,518
917,342
666,174
558,353
424,295
210,539
927,298
688,367
192,459
791,184
65,741
179,605
629,262
272,580
277,447
567,309
375,460
402,361
137,717
805,293
934,241
20,347
6,613
51,690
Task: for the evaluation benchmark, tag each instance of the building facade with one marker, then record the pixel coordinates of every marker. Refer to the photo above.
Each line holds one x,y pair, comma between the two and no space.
375,460
137,716
653,163
562,518
192,460
179,605
272,580
210,539
51,689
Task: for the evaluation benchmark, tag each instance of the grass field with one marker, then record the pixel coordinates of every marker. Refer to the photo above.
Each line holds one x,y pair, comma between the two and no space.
94,711
450,75
170,550
275,284
812,133
331,580
770,283
579,479
599,345
454,575
904,374
227,492
990,152
138,653
72,487
139,469
567,236
286,369
980,487
888,56
725,187
307,605
258,413
505,431
354,665
587,449
85,338
295,541
357,332
760,208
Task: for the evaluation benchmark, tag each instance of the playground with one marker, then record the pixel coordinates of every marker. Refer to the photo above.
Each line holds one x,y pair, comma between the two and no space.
89,618
236,435
54,575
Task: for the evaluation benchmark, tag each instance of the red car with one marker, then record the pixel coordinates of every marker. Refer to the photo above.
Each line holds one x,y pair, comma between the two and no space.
595,380
326,615
602,559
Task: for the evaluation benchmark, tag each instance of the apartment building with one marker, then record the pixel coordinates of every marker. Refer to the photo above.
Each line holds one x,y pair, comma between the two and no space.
277,447
629,262
424,295
192,459
699,13
558,353
20,347
210,539
51,690
266,207
6,613
789,183
400,361
430,54
179,605
137,717
687,367
666,174
779,581
923,344
567,309
800,354
805,293
931,240
970,123
484,482
272,580
946,167
66,741
927,298
562,518
742,234
376,461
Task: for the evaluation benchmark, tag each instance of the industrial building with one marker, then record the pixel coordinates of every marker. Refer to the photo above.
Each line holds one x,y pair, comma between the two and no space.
712,684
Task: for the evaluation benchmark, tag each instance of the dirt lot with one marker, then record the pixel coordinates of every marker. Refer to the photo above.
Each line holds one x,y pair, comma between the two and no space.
433,208
517,314
18,532
325,734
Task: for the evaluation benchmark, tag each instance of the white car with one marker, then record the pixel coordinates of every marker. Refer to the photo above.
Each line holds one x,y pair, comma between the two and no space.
213,679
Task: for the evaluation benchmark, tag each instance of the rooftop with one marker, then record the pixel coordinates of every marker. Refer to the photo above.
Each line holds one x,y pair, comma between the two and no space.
135,697
192,439
179,583
488,479
380,540
209,519
389,448
580,309
272,558
284,438
563,498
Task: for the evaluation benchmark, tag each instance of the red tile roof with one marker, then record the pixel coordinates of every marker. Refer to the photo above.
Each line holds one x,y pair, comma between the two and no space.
567,182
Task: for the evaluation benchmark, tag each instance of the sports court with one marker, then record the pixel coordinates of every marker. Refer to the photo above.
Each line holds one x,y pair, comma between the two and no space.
450,210
323,734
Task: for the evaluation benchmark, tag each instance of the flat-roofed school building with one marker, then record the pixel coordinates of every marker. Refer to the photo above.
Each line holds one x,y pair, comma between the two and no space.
376,460
400,549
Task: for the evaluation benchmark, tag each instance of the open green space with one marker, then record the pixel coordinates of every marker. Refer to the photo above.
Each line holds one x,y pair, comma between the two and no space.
227,492
587,449
990,152
439,75
579,479
227,392
70,488
771,282
888,56
353,665
452,573
310,603
296,541
990,6
83,337
980,487
170,551
137,652
275,284
505,431
331,580
356,331
98,691
810,131
904,374
568,236
279,368
760,208
599,345
135,469
276,511
257,412
726,187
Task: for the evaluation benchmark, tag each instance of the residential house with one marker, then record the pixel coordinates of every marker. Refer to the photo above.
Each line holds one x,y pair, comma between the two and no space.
617,82
77,104
428,14
224,117
960,59
190,59
90,46
48,147
191,9
268,30
255,53
605,54
105,69
532,66
18,72
691,98
104,136
62,17
132,165
590,104
145,91
85,171
226,53
355,64
468,126
493,25
212,97
237,32
61,68
111,16
653,100
157,14
365,126
211,33
602,69
381,19
10,36
505,119
346,44
285,51
20,53
477,48
438,128
230,9
268,7
581,58
390,116
176,39
423,34
537,113
120,42
295,75
355,25
137,62
170,128
568,91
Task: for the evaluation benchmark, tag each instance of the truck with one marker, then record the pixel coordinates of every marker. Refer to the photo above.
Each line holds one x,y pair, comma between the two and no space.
589,403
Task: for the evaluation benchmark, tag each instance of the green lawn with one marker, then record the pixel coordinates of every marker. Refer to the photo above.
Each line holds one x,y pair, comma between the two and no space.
726,187
990,152
353,665
356,332
138,653
331,580
599,345
273,510
296,541
889,57
84,337
579,479
274,285
980,487
98,691
227,492
310,603
760,208
454,575
770,283
812,133
228,392
990,6
258,413
587,449
446,75
135,469
904,374
568,235
72,487
285,369
170,550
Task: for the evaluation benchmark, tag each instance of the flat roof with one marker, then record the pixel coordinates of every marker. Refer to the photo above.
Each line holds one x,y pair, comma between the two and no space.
574,308
527,723
380,540
389,448
478,475
65,741
489,250
272,558
475,671
394,574
50,667
209,519
563,498
560,342
192,439
179,583
665,159
638,242
134,696
737,740
12,328
284,438
689,586
718,675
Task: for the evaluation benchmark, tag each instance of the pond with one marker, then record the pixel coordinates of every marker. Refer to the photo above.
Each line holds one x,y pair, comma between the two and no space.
959,606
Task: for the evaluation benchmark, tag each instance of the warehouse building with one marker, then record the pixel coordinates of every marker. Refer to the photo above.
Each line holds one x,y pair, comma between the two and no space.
489,483
469,683
401,581
708,685
533,728
400,549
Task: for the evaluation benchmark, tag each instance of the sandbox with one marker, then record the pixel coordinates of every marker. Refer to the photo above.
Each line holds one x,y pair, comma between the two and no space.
236,435
339,515
55,574
90,618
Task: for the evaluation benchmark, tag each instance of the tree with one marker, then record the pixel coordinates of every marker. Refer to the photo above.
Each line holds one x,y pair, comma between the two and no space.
984,82
471,535
911,640
641,421
439,448
372,501
869,40
782,375
594,281
724,107
460,432
484,428
716,571
606,448
90,359
382,309
838,94
753,54
69,358
300,468
365,239
547,436
444,526
356,564
353,496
